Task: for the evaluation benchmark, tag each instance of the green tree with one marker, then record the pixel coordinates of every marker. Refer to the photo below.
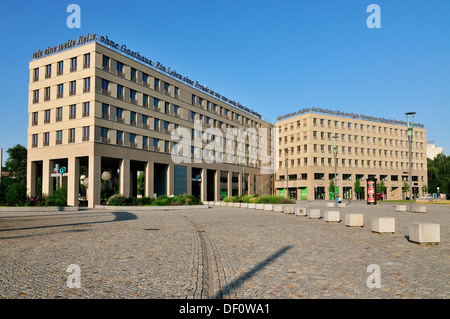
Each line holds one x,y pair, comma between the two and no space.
141,183
381,188
405,187
439,174
17,162
357,188
332,190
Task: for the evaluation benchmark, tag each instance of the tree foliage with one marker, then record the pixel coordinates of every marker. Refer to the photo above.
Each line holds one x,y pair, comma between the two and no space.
439,174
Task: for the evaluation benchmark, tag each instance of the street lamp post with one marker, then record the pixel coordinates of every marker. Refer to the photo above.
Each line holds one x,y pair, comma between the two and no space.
410,125
335,148
286,159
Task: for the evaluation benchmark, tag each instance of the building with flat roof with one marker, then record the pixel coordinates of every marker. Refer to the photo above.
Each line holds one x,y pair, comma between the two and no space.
433,150
367,148
101,117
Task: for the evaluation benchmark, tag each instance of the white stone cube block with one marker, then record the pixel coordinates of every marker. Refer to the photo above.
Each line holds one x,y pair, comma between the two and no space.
278,208
331,205
223,204
383,224
236,204
217,203
423,233
259,206
314,213
400,208
252,205
300,211
420,209
331,216
230,204
354,220
244,205
268,207
342,205
289,209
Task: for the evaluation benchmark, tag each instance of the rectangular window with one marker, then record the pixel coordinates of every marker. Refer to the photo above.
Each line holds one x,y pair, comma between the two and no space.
105,63
166,147
133,96
47,94
85,133
145,142
72,87
60,66
156,124
59,114
166,88
59,136
119,137
60,92
119,69
104,135
86,107
36,96
145,100
166,107
156,104
155,144
105,111
105,87
119,115
177,92
133,75
35,140
73,112
35,74
72,135
144,121
73,64
145,79
48,71
119,92
34,119
176,110
156,84
133,140
46,139
133,118
87,60
86,85
47,116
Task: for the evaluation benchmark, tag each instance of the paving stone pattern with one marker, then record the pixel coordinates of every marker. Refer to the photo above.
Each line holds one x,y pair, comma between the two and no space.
221,252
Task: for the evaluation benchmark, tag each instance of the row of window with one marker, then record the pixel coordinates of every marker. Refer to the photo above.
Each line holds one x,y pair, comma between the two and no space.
60,67
164,87
328,161
349,177
349,150
348,126
72,85
59,113
349,138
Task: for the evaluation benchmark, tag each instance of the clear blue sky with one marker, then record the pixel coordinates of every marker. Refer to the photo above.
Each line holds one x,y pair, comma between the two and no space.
275,57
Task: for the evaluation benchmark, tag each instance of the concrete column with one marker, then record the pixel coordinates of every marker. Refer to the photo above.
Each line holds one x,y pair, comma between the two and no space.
240,184
170,179
230,184
31,179
149,175
203,186
47,180
73,181
94,176
125,177
189,180
217,186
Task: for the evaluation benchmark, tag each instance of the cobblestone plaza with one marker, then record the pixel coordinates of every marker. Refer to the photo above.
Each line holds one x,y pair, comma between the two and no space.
219,252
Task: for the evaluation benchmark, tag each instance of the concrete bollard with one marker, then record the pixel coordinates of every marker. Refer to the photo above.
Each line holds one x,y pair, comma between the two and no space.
230,204
314,213
331,216
252,205
217,203
424,233
244,205
400,208
268,207
383,225
237,205
420,209
289,209
223,204
300,211
259,206
354,220
278,208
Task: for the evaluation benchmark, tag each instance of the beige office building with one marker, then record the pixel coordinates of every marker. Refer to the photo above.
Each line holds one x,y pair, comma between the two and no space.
100,115
367,148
